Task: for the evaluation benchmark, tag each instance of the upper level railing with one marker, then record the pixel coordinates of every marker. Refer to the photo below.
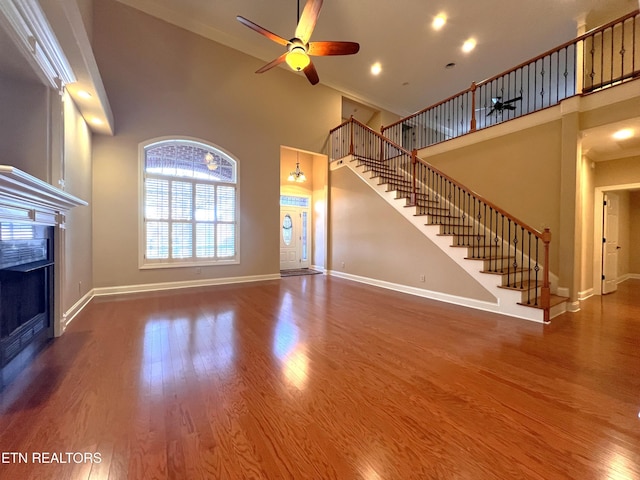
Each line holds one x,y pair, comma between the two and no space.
508,246
603,57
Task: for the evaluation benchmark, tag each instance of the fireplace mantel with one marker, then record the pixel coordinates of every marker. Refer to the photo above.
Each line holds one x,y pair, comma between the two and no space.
28,200
25,198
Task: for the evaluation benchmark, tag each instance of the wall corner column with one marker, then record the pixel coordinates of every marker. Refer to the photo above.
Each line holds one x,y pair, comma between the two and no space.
569,237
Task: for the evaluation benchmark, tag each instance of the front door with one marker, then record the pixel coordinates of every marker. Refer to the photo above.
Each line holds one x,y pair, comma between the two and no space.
610,244
294,237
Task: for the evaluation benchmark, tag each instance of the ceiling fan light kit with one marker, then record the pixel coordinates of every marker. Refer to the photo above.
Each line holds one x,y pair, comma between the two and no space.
299,48
297,58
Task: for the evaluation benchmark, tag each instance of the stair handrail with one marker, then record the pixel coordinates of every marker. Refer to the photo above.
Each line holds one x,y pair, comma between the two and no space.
544,236
477,85
576,40
415,158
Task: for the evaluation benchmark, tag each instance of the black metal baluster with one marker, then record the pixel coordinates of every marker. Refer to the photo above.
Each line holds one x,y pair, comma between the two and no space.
529,272
537,269
522,257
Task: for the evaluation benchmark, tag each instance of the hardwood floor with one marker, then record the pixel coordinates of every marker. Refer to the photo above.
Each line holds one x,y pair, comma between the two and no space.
317,378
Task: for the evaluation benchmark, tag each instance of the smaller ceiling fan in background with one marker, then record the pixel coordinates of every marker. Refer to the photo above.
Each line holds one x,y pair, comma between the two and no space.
299,48
498,106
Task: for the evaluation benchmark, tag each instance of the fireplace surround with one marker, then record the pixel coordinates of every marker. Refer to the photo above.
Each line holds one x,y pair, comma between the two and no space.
32,248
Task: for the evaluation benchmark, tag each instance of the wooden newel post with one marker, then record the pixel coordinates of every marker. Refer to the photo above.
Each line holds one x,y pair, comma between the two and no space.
351,152
473,106
546,286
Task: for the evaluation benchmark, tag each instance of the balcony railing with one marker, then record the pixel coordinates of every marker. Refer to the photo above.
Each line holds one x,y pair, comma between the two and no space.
508,246
602,57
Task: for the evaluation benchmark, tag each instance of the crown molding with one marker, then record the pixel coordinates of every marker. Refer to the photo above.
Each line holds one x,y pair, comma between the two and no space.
28,26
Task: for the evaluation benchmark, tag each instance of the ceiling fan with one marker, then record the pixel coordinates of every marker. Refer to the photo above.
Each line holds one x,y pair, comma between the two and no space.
500,106
299,48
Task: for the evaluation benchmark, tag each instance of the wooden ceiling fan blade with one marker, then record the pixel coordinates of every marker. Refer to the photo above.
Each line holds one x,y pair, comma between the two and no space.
262,31
273,63
311,73
308,20
322,49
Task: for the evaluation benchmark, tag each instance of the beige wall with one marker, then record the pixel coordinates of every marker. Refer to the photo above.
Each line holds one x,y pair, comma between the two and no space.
519,172
24,126
77,166
618,172
86,11
383,118
634,233
375,241
319,210
162,80
31,139
587,225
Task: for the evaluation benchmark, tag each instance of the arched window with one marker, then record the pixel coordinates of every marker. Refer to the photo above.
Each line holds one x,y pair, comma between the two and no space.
189,197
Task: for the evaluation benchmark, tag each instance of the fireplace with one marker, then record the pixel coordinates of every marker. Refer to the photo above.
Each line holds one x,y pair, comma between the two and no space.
26,292
32,237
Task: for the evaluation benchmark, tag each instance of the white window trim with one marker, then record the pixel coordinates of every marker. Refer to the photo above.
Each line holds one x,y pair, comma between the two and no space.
142,262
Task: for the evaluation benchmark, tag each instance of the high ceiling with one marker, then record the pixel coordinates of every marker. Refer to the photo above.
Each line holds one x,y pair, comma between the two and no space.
399,36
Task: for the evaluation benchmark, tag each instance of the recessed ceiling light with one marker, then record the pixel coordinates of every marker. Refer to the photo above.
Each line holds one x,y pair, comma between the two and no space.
469,45
623,134
376,68
96,121
439,21
84,94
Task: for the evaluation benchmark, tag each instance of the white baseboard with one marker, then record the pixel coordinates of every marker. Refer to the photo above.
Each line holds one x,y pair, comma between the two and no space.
420,292
585,294
154,287
319,268
573,307
628,276
77,307
563,292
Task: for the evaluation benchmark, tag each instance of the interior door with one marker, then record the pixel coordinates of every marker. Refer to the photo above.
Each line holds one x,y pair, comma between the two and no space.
294,237
610,243
289,238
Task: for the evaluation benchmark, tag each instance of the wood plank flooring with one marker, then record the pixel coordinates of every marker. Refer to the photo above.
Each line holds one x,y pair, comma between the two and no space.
317,378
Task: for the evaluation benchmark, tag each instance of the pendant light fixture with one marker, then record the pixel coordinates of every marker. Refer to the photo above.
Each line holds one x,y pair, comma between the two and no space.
297,175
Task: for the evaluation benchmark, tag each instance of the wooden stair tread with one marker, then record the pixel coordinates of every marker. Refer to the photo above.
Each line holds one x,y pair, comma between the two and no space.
553,301
414,205
478,247
457,225
435,214
480,243
505,272
384,176
488,259
526,285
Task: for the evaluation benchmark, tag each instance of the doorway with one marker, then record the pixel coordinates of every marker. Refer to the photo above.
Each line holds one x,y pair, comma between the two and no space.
615,234
610,247
304,196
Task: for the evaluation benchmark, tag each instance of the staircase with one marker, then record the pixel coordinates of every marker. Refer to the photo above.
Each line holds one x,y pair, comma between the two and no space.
504,255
